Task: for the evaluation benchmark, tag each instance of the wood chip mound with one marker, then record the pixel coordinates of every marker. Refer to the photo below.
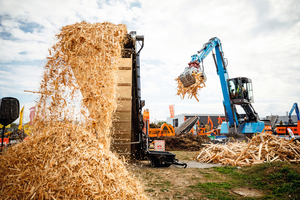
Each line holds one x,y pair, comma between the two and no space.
192,90
187,142
65,162
69,156
261,148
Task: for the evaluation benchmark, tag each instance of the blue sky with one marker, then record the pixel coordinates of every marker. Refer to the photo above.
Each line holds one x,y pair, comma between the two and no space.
260,39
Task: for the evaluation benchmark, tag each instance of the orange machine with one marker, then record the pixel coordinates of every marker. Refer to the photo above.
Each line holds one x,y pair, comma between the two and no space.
146,118
268,129
165,130
282,129
211,123
204,131
220,120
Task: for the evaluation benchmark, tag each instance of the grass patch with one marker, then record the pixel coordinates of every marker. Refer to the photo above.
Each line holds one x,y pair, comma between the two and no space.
214,190
203,171
209,176
226,170
277,180
281,179
149,190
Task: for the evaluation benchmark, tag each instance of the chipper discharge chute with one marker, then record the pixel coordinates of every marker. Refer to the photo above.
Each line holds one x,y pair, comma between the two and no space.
129,138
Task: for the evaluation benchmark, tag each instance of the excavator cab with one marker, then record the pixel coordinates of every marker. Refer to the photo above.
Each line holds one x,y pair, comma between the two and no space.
240,90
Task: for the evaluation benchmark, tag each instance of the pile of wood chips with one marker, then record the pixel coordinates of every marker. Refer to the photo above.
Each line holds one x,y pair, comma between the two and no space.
187,142
192,90
261,148
69,155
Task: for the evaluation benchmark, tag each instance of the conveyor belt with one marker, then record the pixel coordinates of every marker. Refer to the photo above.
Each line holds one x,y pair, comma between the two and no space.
186,126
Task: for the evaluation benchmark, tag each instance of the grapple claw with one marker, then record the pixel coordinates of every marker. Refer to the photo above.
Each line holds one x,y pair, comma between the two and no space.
187,78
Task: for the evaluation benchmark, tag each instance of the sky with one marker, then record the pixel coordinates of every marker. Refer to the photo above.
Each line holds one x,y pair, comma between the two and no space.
260,39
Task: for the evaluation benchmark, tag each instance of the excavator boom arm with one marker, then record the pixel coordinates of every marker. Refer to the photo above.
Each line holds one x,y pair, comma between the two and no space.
215,43
233,90
209,121
207,48
296,108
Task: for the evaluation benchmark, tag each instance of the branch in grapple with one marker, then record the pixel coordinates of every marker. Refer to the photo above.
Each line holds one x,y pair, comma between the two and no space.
193,89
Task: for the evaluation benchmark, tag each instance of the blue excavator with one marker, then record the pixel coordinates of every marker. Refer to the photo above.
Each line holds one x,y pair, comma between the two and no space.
296,109
236,91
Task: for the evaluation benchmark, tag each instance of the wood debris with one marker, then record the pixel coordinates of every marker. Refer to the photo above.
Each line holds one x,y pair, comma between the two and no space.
192,90
187,142
261,148
69,155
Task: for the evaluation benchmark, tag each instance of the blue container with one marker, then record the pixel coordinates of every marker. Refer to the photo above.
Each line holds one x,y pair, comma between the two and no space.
221,137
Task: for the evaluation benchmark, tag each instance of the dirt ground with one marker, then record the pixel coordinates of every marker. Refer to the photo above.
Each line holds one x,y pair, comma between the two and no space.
175,182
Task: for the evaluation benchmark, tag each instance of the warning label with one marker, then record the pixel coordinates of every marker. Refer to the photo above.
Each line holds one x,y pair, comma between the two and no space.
159,145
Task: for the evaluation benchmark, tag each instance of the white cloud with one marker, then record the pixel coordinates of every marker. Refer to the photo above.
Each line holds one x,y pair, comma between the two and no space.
260,40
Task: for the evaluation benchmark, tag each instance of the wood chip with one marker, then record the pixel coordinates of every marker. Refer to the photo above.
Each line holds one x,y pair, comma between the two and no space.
69,155
247,154
192,90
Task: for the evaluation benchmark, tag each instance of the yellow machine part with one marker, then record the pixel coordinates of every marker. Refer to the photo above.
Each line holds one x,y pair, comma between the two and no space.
27,129
8,126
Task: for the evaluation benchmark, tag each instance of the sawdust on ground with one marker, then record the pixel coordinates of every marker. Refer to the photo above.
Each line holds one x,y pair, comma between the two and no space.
187,142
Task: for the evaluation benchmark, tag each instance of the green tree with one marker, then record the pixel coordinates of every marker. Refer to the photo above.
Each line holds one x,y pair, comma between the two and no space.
161,123
12,125
152,125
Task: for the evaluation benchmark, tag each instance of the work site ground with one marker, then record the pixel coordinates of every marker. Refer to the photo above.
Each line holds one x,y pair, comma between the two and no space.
277,180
